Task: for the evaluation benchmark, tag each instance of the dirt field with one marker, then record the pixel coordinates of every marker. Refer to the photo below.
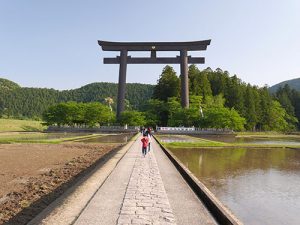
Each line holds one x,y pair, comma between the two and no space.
31,172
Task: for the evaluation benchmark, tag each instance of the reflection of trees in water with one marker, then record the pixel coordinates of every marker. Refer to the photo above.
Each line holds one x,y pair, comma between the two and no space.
216,164
256,184
231,138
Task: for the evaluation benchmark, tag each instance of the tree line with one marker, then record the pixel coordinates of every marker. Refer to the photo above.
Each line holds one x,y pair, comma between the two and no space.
78,114
217,99
22,103
225,101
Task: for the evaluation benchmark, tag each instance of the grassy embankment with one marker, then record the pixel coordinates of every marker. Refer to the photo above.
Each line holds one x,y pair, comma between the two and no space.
29,131
20,125
204,143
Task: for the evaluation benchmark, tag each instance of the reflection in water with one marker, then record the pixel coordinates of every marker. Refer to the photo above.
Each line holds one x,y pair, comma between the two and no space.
261,186
115,138
268,141
176,138
253,140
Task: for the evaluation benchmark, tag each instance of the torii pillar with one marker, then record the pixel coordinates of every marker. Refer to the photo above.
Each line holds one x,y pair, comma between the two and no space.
122,83
184,79
153,47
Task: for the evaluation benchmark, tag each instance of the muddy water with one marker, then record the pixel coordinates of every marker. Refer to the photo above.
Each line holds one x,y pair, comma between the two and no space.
261,186
115,138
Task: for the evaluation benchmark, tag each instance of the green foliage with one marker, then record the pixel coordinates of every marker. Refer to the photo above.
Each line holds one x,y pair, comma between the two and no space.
199,83
290,101
22,103
227,102
278,118
221,117
185,117
250,113
97,113
7,85
168,85
182,116
132,118
156,113
78,114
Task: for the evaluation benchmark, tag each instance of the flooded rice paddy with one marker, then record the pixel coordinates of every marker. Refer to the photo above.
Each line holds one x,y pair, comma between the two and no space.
176,138
260,186
282,140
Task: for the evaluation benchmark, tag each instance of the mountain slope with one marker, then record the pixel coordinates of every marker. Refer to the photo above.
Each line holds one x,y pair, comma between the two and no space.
7,85
294,84
22,102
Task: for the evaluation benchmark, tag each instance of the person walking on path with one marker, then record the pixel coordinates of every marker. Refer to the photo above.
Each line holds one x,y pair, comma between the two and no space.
149,141
149,131
144,141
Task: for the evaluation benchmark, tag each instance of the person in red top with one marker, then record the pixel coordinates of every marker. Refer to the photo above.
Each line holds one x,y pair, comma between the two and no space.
144,141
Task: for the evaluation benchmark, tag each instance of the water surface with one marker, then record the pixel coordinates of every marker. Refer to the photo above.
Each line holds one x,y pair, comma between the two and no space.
261,186
282,140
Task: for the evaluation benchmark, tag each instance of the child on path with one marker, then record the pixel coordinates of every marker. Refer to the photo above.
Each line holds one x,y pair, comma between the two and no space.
144,141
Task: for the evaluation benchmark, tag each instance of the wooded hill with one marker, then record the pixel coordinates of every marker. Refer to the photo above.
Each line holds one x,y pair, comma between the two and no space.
226,101
293,84
23,102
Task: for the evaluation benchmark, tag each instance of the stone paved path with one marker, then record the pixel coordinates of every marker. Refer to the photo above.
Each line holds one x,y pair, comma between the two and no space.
145,200
144,191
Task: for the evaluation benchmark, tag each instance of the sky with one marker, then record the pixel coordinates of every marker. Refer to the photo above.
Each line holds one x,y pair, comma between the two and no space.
53,43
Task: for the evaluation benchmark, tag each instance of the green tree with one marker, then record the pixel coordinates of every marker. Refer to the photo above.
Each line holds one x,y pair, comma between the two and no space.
221,117
284,96
250,112
72,113
96,113
132,118
199,83
156,113
168,85
234,94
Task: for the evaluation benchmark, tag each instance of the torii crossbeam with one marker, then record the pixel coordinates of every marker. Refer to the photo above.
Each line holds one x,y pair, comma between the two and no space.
153,47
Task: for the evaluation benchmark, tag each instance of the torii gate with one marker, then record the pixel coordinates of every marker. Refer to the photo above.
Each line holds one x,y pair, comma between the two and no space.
153,47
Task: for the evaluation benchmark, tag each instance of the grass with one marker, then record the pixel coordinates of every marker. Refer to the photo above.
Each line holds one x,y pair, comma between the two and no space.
20,125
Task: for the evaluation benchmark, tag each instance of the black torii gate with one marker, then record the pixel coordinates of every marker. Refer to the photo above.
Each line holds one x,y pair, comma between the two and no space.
153,47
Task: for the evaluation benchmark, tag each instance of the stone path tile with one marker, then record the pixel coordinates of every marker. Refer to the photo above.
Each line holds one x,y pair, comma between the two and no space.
145,200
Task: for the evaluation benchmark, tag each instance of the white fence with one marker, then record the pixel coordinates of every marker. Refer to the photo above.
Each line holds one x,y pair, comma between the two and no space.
192,130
